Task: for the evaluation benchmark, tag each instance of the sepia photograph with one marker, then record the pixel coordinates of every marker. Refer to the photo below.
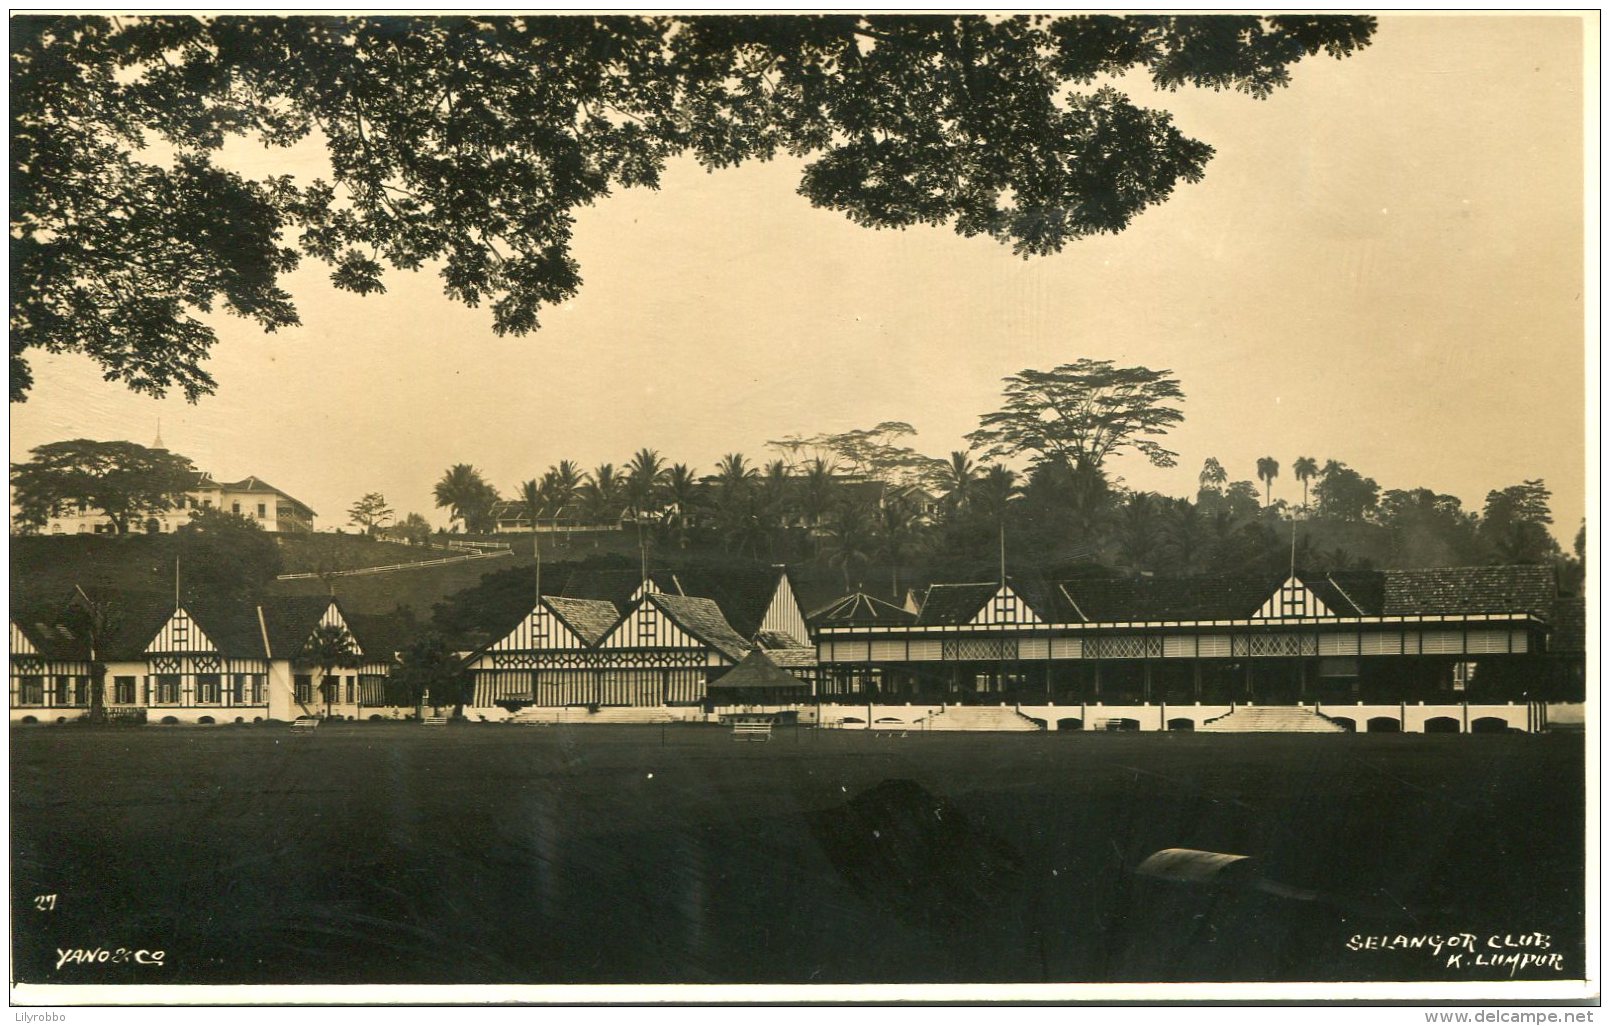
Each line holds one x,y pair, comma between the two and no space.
803,508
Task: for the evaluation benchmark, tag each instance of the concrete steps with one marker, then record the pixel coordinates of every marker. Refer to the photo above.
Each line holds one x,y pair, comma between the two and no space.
1290,719
981,717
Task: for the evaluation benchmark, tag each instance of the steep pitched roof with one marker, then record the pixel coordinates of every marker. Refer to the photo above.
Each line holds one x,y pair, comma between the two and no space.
757,670
952,604
50,639
588,619
290,619
232,627
257,484
1120,599
1349,592
770,640
861,609
613,586
702,618
1470,589
743,593
380,635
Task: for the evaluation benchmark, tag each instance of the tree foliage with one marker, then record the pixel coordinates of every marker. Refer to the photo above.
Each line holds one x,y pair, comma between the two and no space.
1081,413
370,513
1344,494
467,144
226,556
464,492
122,480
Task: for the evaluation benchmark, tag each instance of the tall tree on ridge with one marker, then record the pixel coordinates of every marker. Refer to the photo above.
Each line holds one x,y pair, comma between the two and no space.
1304,469
1268,470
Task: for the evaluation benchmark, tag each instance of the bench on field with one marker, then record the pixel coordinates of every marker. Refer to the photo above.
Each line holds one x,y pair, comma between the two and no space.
751,731
435,721
304,723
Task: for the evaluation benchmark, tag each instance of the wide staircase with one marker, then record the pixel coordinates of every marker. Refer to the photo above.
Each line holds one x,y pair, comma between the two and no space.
980,717
1289,719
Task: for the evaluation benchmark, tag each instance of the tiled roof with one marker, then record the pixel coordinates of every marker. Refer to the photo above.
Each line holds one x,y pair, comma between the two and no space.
950,604
860,609
1121,599
757,671
257,484
49,637
743,593
381,635
588,619
778,640
290,620
613,586
793,658
1569,634
1470,589
702,618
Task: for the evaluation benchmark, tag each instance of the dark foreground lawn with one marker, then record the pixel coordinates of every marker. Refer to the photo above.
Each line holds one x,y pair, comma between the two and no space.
499,854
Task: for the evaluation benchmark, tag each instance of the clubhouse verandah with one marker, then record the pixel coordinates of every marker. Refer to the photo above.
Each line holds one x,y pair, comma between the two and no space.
1475,634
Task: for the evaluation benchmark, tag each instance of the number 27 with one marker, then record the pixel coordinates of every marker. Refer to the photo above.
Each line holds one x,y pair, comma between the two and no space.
45,902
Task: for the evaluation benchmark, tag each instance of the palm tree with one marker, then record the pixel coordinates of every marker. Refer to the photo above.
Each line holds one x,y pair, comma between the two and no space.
601,497
1137,536
327,647
732,472
994,491
1268,470
818,496
1187,535
644,475
1303,468
567,481
681,493
849,538
957,477
465,493
899,536
533,501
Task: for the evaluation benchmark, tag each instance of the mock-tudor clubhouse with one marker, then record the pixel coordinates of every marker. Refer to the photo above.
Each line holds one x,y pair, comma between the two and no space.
1465,649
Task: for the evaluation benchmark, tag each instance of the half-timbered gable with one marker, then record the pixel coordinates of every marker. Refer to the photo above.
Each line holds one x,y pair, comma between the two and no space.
1005,607
1292,599
180,635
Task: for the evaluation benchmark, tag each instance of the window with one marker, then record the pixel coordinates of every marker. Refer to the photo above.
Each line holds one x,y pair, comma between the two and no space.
168,688
1463,674
33,691
64,691
207,689
123,690
262,511
352,689
304,688
240,691
235,507
207,503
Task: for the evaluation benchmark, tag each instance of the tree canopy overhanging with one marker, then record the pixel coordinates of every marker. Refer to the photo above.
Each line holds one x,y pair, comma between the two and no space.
468,143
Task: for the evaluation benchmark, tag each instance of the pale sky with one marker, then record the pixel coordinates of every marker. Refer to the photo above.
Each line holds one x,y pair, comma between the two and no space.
1383,265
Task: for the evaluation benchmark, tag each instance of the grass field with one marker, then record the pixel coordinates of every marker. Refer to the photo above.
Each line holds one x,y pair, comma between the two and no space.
504,854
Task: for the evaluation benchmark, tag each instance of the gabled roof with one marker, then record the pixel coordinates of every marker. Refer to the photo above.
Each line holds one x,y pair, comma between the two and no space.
257,484
955,604
1470,589
290,620
381,635
588,619
613,586
757,670
233,628
1122,599
702,618
50,639
774,640
861,609
743,593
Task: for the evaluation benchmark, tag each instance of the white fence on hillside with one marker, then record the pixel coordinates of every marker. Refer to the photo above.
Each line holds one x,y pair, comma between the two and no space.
361,571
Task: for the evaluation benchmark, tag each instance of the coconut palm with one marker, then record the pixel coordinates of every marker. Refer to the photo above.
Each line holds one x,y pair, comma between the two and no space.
682,495
644,476
603,497
1303,468
463,491
899,536
817,494
848,539
1268,470
956,478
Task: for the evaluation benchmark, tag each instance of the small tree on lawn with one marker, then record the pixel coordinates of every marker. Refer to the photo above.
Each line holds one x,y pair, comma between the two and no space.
96,618
429,669
328,647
